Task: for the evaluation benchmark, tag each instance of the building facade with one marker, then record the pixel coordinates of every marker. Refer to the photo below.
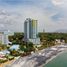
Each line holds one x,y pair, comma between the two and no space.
30,31
3,38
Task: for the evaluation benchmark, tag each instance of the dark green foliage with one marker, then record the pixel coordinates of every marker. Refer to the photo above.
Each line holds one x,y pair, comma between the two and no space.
48,39
52,36
2,61
3,47
28,47
17,38
14,53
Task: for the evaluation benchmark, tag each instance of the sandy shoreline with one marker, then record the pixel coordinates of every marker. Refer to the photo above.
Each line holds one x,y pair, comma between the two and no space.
47,61
6,63
41,58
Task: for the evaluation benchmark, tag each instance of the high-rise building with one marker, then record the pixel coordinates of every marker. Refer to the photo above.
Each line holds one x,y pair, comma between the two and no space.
3,38
6,40
30,31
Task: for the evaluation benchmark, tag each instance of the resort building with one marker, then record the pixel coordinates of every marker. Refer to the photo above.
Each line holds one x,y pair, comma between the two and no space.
3,37
59,41
30,31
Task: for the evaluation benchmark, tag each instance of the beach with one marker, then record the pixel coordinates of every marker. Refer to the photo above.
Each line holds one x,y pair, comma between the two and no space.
59,61
40,58
6,63
47,61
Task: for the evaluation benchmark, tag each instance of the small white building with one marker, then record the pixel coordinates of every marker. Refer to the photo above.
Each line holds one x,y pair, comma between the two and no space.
59,41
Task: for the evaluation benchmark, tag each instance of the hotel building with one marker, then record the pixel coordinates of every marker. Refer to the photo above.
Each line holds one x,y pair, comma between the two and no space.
3,37
30,31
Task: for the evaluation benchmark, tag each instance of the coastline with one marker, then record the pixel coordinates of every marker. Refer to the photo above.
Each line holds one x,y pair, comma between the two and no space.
39,60
53,57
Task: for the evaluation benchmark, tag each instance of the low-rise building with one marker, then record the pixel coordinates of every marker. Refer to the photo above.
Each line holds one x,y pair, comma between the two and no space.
59,41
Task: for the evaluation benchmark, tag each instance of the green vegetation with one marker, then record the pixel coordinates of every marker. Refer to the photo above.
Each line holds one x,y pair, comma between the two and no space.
48,39
3,60
3,47
9,57
6,58
28,47
14,53
17,38
52,36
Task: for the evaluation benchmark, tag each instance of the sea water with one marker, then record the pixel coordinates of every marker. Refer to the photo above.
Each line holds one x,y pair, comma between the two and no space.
59,61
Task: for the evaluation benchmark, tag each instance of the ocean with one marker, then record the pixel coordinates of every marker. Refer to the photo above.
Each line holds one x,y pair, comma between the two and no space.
59,61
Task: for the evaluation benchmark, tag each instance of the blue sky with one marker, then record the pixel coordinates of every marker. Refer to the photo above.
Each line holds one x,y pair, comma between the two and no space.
51,14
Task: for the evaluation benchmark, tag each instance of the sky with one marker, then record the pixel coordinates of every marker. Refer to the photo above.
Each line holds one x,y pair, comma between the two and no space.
51,14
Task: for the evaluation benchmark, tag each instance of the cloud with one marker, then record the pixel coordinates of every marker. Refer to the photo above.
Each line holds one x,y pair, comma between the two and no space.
57,2
8,20
15,22
50,17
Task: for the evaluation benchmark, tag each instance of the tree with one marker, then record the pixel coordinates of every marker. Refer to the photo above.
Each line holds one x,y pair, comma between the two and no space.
17,38
27,47
3,47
